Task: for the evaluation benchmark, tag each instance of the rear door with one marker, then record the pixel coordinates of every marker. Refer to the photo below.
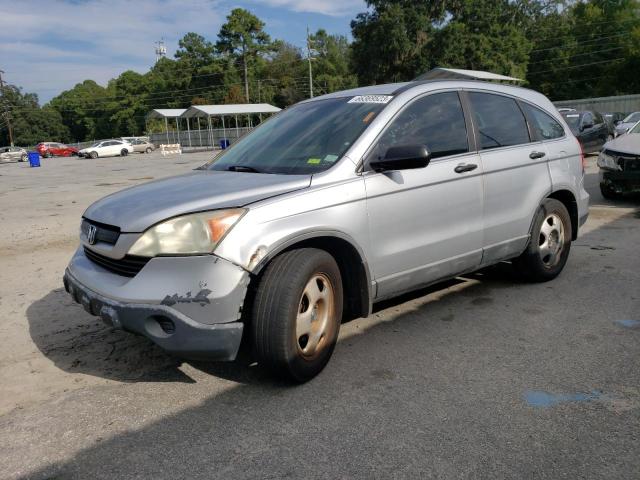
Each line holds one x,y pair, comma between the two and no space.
426,223
516,176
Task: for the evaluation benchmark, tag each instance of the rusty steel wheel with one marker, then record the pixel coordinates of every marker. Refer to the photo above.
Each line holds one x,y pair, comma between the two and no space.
296,313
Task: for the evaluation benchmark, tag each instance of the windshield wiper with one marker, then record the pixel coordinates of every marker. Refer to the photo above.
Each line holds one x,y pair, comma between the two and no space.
243,168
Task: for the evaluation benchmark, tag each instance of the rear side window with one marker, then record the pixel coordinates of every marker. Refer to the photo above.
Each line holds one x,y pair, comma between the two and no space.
499,120
544,126
436,121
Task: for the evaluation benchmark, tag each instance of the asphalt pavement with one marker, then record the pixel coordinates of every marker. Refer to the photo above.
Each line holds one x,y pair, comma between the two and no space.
478,377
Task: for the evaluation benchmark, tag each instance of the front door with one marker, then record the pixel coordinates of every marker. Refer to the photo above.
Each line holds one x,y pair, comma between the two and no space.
425,224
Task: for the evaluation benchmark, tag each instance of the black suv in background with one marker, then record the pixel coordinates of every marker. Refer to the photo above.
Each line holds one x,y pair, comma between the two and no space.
590,128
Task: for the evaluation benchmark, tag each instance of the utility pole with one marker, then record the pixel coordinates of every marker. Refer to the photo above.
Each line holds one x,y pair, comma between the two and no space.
309,59
7,114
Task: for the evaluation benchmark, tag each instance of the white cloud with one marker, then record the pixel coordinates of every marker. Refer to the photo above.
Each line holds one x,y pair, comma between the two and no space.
336,8
50,46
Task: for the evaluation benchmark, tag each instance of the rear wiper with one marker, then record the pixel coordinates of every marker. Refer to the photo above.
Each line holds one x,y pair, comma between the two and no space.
243,168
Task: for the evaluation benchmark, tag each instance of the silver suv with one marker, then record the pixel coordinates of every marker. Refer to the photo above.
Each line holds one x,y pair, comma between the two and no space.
334,204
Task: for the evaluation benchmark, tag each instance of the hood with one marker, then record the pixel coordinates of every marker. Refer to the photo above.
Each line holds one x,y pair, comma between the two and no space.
623,127
629,143
137,208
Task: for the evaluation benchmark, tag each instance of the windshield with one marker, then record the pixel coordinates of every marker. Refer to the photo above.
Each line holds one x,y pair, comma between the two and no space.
632,118
306,138
97,144
573,120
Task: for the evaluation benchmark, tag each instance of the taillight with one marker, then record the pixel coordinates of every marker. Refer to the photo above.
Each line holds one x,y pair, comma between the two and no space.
582,158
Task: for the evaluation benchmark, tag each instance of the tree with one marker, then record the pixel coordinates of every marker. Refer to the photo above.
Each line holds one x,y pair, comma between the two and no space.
243,36
31,124
195,50
331,67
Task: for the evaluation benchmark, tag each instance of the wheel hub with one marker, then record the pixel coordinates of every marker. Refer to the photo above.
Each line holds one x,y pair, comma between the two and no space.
315,313
551,240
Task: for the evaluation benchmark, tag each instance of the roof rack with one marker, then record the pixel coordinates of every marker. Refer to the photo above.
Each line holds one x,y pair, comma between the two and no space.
441,73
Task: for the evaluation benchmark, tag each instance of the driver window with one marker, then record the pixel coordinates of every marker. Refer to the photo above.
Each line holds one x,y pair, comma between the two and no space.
436,121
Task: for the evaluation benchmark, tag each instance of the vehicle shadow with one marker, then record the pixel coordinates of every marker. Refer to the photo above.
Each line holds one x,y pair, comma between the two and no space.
77,342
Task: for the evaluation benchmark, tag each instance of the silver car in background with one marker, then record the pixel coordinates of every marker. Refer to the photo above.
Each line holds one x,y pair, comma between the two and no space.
628,122
13,154
330,206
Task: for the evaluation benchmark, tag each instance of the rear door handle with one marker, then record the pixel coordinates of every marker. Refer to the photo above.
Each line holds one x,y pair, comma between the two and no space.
534,155
465,167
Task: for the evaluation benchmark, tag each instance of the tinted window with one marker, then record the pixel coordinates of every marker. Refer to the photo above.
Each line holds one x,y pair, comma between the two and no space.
436,121
587,119
544,125
598,117
499,120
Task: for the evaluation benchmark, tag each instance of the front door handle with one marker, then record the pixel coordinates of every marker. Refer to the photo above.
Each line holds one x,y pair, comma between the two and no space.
465,167
535,155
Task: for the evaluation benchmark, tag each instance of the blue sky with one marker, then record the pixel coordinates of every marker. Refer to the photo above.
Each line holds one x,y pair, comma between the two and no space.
47,46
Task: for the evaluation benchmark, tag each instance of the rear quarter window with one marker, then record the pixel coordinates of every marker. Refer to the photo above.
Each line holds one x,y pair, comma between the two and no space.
544,126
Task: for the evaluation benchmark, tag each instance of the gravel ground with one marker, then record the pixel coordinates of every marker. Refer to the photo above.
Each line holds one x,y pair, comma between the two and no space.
481,377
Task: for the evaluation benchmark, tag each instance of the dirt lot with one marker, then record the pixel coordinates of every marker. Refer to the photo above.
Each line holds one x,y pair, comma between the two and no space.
481,377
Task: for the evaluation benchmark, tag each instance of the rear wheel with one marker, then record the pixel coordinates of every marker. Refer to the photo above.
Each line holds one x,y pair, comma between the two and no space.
548,249
124,152
297,313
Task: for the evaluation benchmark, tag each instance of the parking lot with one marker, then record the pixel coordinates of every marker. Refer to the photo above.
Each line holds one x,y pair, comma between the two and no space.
481,377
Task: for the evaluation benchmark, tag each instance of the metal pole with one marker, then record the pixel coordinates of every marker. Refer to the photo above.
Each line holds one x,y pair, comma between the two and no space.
199,131
177,131
310,69
210,133
224,131
237,131
189,132
166,127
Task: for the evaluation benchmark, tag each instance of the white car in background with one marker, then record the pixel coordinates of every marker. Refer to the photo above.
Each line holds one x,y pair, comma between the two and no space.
107,148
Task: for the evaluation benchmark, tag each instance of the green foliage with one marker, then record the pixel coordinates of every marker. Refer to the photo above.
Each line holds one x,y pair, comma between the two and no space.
563,48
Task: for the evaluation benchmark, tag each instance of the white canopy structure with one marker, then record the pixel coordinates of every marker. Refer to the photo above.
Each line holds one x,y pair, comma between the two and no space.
234,109
167,113
222,111
457,73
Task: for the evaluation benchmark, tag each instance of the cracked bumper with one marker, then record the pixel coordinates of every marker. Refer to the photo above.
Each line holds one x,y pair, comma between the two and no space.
159,304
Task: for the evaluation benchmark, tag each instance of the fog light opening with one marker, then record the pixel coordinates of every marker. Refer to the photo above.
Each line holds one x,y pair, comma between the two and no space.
160,326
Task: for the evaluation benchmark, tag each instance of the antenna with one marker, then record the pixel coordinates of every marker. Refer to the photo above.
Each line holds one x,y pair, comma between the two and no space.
161,50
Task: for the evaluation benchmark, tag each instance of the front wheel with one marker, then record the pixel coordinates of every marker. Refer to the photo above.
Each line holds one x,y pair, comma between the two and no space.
550,243
297,313
149,150
608,192
93,154
23,158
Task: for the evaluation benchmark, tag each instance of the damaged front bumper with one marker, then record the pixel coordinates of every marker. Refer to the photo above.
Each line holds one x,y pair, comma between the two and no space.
620,181
189,306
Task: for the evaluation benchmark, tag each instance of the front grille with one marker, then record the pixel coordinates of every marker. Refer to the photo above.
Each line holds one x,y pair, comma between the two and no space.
104,233
128,266
626,161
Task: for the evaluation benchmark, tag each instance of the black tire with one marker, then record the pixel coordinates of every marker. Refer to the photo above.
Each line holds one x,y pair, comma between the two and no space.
534,265
280,299
93,154
608,192
47,155
124,152
149,150
23,158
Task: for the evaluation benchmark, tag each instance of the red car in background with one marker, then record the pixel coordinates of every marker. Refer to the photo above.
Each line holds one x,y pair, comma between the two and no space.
53,149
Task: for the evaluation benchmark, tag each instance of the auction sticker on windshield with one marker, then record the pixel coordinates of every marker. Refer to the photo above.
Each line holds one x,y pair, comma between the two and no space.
371,99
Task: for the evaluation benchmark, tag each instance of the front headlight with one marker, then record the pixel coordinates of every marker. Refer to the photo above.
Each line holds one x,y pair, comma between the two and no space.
196,233
607,161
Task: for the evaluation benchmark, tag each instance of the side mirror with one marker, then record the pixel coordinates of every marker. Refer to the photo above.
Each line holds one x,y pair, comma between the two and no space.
402,157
